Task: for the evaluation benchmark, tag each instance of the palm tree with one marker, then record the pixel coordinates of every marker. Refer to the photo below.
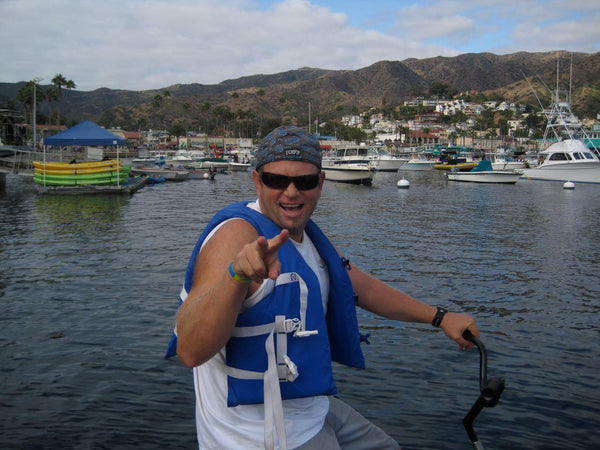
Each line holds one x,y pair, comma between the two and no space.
60,81
177,130
25,97
51,95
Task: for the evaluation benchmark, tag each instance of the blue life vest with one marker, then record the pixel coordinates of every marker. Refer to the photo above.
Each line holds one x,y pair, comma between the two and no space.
289,321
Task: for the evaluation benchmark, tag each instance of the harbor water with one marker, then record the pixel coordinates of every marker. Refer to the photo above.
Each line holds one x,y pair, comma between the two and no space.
89,285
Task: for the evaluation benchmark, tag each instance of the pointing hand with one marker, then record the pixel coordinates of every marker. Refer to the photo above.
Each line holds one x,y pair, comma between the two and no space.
258,260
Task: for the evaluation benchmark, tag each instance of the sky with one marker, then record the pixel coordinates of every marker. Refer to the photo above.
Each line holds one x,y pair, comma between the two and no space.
153,44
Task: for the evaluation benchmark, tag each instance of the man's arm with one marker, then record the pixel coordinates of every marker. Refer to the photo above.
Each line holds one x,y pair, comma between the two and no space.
206,318
379,298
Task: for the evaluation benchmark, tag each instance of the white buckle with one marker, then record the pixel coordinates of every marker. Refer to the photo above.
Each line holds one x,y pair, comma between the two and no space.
287,326
294,325
292,369
305,333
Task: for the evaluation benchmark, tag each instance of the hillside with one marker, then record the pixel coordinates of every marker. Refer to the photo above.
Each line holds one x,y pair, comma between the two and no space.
331,93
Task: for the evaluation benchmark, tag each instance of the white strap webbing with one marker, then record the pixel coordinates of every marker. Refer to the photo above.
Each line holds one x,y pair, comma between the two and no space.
279,366
293,277
273,403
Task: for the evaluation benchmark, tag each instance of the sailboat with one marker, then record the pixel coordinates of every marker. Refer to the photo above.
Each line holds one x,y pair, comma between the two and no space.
568,156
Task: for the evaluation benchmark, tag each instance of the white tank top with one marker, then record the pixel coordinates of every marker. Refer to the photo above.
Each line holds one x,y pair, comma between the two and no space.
220,427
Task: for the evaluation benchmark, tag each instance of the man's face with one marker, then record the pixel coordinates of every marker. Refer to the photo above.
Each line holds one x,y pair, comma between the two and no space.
288,207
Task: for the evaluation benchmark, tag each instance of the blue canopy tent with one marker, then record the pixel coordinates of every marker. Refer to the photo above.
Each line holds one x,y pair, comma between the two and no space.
85,134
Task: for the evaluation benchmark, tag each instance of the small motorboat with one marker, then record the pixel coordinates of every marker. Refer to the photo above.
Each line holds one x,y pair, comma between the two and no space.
483,173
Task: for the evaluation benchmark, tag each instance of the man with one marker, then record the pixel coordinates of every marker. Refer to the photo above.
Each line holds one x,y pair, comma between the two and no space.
268,303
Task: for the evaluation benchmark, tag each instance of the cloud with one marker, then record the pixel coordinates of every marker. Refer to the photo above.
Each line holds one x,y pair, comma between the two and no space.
150,44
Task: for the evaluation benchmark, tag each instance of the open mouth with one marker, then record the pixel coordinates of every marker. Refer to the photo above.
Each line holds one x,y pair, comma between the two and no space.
291,207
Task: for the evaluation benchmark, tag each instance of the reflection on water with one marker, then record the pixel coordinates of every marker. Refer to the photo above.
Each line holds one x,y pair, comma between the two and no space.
85,216
89,288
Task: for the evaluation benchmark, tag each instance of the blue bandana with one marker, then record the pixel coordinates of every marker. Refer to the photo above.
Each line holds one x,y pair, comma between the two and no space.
289,143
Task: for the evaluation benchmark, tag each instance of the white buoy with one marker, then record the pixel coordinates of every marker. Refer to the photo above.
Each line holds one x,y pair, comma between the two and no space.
206,176
403,184
569,185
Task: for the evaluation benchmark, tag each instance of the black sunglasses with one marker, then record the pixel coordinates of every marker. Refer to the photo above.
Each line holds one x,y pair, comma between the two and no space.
281,182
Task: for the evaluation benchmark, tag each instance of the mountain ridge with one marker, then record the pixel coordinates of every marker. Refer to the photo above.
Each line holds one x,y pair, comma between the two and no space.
286,95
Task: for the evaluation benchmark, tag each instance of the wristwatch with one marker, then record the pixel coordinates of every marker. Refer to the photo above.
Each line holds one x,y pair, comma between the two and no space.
439,315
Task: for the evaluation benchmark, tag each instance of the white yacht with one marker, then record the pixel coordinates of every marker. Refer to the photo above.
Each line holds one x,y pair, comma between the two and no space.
348,165
569,156
420,161
383,161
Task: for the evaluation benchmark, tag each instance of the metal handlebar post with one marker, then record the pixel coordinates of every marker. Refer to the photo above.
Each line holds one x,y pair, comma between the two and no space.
490,391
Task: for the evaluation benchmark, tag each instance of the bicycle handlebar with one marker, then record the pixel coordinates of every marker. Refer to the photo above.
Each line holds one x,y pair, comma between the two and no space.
490,391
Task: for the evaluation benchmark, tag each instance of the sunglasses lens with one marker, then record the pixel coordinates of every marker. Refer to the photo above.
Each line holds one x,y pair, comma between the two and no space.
307,182
280,182
275,181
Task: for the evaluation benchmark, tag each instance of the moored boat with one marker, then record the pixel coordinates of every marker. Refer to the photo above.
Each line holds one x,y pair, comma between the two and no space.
483,173
181,159
460,164
419,161
238,166
571,154
218,163
502,162
143,161
568,160
199,174
382,161
167,174
348,165
349,174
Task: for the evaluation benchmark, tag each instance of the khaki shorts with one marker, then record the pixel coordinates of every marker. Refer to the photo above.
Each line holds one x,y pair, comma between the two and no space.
346,429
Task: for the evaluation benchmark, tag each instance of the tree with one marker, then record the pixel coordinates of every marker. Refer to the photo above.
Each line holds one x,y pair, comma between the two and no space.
177,130
60,81
442,90
224,113
453,137
503,127
25,97
141,123
51,95
157,101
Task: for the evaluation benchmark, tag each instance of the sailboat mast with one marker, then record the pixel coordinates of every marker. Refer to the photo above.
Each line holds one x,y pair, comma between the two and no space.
570,79
557,78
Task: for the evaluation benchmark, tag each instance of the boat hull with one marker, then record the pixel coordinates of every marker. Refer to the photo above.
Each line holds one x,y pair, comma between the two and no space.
418,165
576,173
508,165
206,163
169,175
238,167
352,175
492,176
382,164
201,175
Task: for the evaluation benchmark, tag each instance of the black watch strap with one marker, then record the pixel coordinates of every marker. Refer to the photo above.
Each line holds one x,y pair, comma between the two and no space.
439,315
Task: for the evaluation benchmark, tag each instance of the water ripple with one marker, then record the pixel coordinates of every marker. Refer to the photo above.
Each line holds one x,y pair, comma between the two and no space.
89,288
